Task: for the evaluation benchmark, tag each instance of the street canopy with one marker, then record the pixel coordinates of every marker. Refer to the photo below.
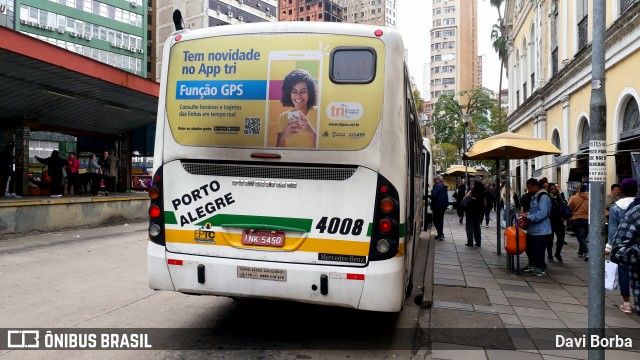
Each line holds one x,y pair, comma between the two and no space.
509,145
459,170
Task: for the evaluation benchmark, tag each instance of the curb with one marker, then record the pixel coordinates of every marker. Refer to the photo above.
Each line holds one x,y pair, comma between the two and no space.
427,285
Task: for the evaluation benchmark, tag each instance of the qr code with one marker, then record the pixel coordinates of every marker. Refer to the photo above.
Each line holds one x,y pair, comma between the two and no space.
252,126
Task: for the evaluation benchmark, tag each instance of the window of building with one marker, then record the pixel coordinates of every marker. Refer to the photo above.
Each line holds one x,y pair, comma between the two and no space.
554,37
449,21
449,9
448,81
585,134
631,117
624,4
448,92
583,22
437,11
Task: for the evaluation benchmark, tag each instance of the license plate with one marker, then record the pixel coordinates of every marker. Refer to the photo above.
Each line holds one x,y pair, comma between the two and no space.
248,272
263,238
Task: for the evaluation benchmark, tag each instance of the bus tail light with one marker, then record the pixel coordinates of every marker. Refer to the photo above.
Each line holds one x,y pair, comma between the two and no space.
385,225
387,205
156,210
154,193
386,233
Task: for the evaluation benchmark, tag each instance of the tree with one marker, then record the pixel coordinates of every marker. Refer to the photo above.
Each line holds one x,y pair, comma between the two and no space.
498,112
447,116
445,155
499,41
418,100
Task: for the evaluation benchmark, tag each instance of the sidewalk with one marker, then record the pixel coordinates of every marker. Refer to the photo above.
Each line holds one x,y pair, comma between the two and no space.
481,306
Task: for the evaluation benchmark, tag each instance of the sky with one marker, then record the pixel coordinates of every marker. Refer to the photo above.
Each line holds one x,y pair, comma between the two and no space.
414,23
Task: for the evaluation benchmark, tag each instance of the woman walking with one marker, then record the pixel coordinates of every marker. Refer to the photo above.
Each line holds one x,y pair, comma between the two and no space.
579,206
474,212
557,223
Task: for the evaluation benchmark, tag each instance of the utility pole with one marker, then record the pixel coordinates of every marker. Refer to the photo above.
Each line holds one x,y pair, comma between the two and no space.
465,122
597,178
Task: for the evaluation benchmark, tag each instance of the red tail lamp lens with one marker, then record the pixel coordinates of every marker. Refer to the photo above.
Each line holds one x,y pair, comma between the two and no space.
383,189
154,193
157,179
385,225
387,205
378,33
178,37
154,211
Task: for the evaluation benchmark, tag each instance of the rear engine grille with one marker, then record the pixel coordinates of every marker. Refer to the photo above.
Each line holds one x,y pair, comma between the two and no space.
270,172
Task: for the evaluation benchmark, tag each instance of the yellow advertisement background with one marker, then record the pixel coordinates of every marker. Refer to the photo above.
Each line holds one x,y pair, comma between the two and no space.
370,96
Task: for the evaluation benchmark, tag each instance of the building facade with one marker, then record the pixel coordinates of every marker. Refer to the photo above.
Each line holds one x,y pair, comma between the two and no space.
310,10
202,14
372,12
110,31
454,48
550,85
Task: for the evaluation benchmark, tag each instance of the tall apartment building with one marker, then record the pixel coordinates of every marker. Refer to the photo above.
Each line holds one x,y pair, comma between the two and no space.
110,31
310,10
480,74
454,48
202,14
373,12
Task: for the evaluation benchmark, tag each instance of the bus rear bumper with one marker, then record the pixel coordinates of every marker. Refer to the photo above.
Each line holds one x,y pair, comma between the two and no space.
377,287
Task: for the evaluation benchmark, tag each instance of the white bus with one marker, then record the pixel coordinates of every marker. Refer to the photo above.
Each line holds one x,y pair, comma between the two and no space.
428,181
288,165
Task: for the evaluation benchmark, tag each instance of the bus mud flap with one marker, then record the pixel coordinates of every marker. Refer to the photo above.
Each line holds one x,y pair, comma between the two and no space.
201,273
324,284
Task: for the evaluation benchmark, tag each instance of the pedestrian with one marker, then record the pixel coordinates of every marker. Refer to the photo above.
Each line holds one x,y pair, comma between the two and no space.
513,204
55,165
579,206
489,204
95,174
460,194
6,170
539,227
105,169
73,171
439,203
618,210
474,213
627,249
557,223
611,198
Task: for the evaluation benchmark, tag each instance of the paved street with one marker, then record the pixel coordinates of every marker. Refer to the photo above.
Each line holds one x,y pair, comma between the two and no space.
497,298
96,278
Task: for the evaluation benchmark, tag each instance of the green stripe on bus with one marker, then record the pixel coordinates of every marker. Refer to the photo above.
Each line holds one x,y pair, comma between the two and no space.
170,218
259,222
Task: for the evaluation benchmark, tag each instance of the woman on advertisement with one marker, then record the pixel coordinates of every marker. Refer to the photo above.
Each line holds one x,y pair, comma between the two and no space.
293,127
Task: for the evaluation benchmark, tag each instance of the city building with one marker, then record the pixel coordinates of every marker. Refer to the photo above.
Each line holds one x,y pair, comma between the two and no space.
454,48
310,10
202,14
479,73
112,32
372,12
550,85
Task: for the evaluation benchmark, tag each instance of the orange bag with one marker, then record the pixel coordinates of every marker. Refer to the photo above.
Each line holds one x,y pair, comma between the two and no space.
510,242
46,179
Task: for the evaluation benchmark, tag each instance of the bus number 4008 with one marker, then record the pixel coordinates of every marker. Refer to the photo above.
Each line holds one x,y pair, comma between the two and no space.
344,226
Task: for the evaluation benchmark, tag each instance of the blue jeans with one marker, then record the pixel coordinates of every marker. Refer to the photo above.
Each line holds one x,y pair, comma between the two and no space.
536,246
623,280
581,229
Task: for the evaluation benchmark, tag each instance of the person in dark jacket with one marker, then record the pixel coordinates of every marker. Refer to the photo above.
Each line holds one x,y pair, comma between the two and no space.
55,164
460,193
474,212
439,203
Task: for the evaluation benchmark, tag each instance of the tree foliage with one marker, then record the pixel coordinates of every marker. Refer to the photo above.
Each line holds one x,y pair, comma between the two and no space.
445,155
447,117
417,97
